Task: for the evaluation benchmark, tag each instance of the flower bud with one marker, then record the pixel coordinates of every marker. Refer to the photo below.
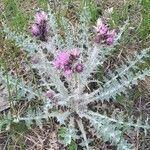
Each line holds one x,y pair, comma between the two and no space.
50,94
97,39
34,59
79,68
41,17
68,72
110,37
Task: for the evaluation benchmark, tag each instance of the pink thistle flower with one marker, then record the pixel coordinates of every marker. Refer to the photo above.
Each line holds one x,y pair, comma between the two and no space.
101,27
109,40
65,61
40,27
61,60
104,35
110,37
68,72
35,30
79,68
50,94
41,17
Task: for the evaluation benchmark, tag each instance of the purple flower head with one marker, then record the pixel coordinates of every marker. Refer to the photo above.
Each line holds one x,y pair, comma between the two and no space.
79,68
66,62
41,17
104,35
35,30
68,72
109,40
61,60
50,94
110,37
97,39
40,26
101,27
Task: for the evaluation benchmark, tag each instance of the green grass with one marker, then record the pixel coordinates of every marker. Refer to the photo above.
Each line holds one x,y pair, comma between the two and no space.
14,16
117,18
130,9
145,25
61,133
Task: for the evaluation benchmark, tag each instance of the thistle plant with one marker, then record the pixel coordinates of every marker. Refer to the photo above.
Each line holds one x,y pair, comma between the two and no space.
64,89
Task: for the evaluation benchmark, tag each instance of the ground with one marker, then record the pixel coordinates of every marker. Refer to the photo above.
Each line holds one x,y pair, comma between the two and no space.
19,14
